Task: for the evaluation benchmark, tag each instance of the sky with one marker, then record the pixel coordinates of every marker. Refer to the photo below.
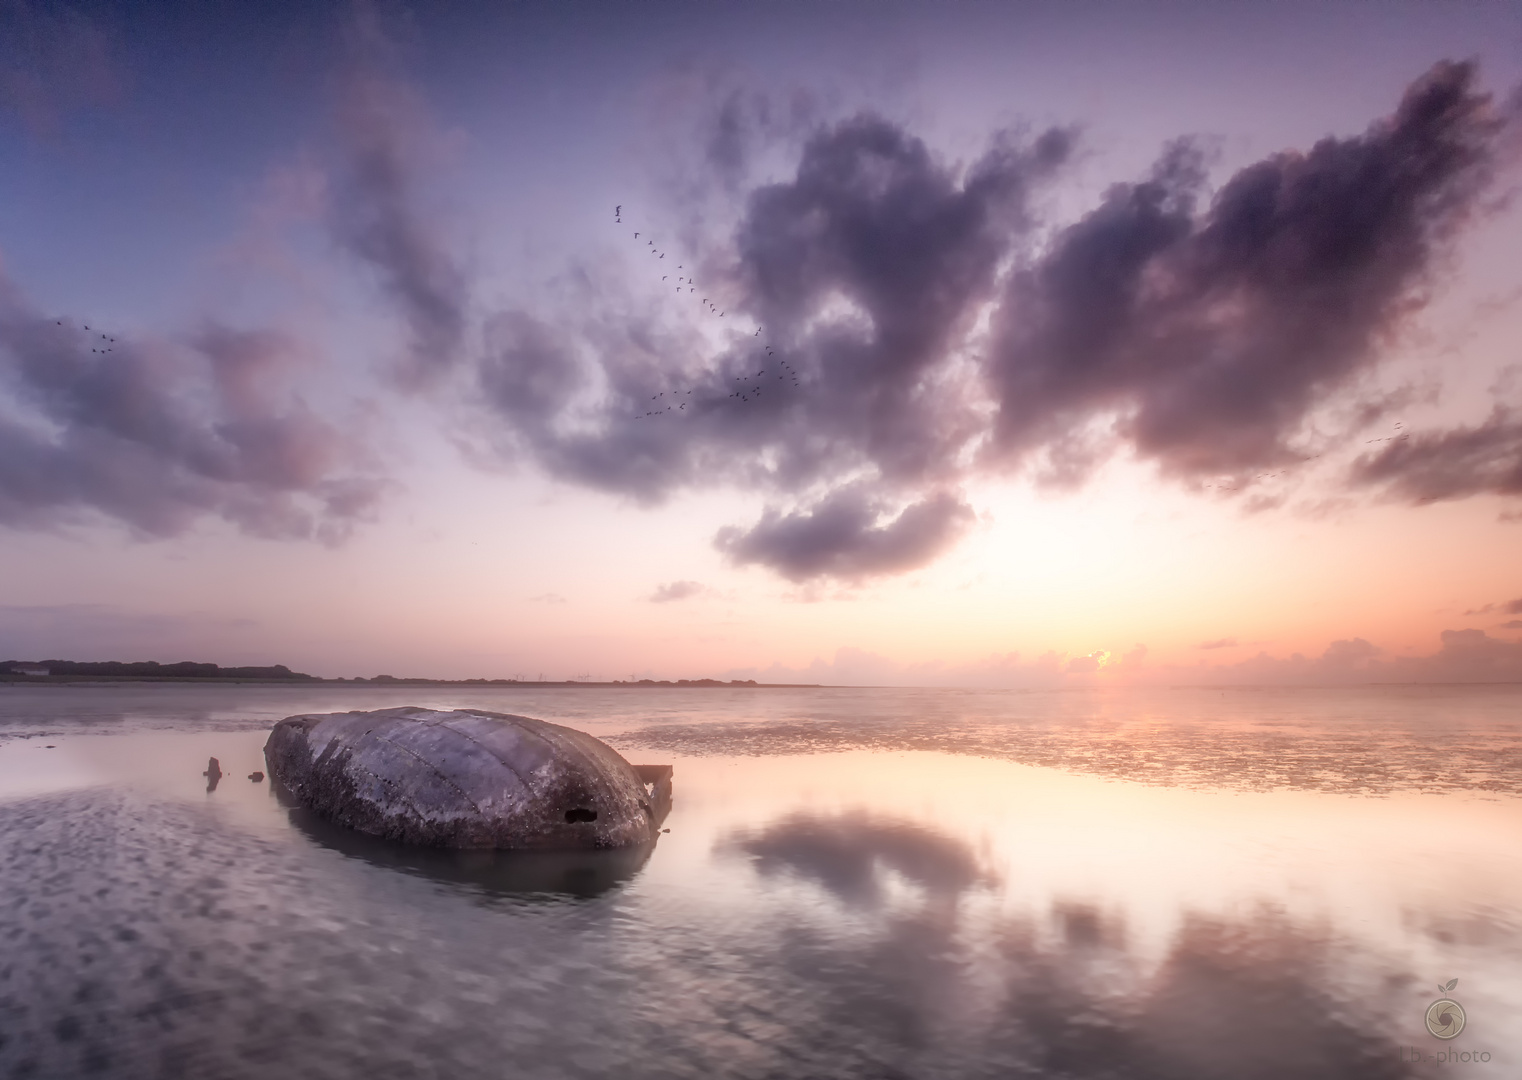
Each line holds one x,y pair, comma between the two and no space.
846,342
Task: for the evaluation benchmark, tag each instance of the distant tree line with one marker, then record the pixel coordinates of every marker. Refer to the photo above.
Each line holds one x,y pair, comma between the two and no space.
185,669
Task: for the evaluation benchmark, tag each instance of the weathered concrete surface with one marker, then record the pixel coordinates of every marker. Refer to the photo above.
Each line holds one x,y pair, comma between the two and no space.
464,779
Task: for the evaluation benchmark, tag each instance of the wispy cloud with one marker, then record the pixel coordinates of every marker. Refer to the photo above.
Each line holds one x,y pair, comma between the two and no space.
1509,607
677,590
1484,459
157,434
388,143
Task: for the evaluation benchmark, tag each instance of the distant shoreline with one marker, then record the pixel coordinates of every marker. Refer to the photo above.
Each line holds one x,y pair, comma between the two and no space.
93,672
7,679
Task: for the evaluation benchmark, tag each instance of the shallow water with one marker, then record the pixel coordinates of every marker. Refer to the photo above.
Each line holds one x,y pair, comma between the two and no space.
857,883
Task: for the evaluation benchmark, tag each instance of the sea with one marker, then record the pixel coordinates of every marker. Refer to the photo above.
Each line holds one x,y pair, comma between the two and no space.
1178,883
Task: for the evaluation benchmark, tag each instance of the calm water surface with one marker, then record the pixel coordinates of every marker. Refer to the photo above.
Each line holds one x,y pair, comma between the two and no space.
857,883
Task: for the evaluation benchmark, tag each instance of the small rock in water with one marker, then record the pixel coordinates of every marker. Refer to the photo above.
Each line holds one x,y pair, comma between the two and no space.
256,777
466,779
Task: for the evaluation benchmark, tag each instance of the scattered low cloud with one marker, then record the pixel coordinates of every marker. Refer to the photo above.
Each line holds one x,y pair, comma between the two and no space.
1218,643
850,666
1464,656
1512,624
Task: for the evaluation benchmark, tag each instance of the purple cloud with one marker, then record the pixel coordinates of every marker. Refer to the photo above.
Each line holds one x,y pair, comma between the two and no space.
848,535
1210,333
1197,331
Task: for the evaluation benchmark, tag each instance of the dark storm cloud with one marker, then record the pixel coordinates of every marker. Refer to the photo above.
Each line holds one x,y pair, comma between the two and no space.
1485,459
849,535
157,435
1209,334
377,212
1197,330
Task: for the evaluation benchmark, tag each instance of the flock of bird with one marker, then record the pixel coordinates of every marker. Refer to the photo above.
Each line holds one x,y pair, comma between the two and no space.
751,388
1398,436
102,350
1401,436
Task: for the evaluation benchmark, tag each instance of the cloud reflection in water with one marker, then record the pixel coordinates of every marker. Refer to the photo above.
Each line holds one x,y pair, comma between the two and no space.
946,988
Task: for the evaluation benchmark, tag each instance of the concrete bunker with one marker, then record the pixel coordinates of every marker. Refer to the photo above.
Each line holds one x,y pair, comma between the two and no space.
467,779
